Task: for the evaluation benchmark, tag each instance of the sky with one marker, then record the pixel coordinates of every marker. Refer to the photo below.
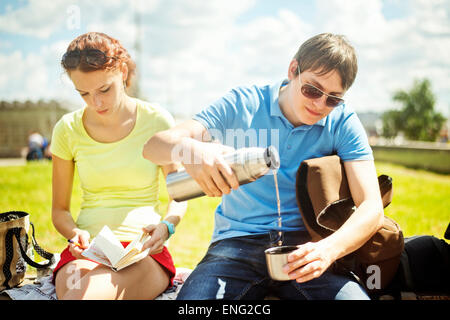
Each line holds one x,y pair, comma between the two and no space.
195,51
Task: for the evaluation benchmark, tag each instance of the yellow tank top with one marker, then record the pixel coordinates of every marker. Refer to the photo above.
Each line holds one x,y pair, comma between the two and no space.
115,179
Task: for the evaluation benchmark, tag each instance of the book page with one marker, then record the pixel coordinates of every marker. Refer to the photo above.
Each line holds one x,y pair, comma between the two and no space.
107,249
148,215
109,245
93,252
132,259
134,247
137,243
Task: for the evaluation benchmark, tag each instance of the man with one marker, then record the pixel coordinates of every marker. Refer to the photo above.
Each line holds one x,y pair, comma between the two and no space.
304,117
36,146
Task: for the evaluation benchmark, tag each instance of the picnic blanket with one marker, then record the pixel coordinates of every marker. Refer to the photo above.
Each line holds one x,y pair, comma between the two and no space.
44,289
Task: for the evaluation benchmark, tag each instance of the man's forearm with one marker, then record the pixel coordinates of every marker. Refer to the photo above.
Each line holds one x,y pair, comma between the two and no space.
169,146
357,230
158,148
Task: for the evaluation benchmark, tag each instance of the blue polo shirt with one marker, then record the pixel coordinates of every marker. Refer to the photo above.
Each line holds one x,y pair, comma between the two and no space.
251,117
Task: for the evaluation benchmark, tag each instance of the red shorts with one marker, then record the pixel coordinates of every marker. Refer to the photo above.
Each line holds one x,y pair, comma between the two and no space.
163,258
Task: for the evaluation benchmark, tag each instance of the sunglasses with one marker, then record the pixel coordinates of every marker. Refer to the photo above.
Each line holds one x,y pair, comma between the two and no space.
93,57
311,92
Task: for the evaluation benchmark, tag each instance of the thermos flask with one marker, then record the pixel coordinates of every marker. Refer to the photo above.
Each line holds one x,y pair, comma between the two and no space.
248,165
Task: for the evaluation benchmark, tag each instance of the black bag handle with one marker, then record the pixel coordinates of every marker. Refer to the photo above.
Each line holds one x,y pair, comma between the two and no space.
44,254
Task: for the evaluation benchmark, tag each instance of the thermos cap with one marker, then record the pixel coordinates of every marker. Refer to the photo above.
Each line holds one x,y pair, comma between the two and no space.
272,158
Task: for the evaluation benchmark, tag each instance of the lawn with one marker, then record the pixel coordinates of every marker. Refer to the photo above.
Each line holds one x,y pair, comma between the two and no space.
28,188
421,206
421,203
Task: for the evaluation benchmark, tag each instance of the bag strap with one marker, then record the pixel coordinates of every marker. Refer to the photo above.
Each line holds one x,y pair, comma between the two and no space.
44,254
8,259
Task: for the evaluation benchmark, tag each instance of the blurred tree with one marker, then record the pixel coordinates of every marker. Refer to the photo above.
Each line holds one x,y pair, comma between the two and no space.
391,123
417,119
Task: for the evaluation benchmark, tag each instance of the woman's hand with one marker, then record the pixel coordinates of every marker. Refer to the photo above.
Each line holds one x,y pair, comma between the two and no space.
309,261
79,243
205,163
159,234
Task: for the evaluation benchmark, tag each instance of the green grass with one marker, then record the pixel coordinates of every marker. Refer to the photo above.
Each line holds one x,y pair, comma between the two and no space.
421,202
193,234
420,205
426,159
28,188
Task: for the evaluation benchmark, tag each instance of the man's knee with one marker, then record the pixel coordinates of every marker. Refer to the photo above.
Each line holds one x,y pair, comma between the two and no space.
352,291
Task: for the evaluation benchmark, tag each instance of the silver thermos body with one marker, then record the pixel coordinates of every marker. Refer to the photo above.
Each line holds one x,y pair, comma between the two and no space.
248,165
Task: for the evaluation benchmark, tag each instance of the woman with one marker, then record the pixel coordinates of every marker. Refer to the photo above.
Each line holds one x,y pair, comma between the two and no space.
104,141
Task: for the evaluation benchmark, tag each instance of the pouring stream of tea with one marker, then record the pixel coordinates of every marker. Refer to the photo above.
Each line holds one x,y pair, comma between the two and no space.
280,242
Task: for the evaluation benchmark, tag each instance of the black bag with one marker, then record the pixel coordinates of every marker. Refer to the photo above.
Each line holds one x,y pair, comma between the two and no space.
425,265
14,245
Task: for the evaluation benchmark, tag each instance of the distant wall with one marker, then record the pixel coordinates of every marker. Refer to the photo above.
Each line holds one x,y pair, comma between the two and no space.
17,119
430,158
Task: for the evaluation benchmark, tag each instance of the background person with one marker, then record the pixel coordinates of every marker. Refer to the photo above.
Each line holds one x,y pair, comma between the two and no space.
36,146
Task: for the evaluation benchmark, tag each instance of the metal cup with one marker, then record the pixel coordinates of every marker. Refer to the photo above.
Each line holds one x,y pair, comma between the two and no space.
276,259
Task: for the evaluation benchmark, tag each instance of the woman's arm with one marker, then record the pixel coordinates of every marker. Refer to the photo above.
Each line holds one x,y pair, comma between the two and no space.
62,182
175,212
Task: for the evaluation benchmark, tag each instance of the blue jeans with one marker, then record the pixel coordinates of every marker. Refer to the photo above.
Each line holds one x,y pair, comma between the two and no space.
235,268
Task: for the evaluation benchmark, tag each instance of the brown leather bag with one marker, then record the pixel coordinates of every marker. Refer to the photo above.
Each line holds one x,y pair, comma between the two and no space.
323,195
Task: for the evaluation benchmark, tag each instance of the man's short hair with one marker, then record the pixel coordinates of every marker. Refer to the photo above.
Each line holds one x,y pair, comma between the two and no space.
326,52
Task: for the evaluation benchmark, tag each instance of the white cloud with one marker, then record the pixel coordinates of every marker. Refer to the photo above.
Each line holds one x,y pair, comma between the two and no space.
37,19
361,20
392,53
215,58
23,76
195,51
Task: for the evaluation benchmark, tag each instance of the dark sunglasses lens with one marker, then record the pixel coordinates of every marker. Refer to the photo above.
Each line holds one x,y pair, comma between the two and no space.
95,58
72,59
311,92
334,102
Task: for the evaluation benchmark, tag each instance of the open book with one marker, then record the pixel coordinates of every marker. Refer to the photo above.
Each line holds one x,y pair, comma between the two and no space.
106,249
